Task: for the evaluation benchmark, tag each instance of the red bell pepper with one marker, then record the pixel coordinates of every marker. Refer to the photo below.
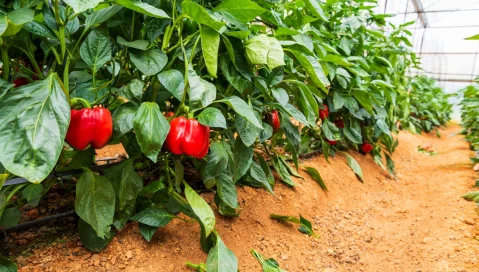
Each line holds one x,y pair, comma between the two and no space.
331,142
169,114
273,120
90,127
20,82
339,123
366,147
324,112
188,136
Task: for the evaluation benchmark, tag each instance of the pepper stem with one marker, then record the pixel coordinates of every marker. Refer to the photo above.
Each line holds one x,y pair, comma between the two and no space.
77,101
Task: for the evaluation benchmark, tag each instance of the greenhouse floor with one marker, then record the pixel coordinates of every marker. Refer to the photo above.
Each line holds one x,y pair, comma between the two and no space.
418,222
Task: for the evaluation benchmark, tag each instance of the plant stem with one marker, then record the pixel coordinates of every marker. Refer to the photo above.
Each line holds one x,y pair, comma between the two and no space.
10,195
185,58
132,32
6,62
168,178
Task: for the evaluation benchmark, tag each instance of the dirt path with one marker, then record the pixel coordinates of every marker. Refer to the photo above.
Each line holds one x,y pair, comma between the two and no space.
415,223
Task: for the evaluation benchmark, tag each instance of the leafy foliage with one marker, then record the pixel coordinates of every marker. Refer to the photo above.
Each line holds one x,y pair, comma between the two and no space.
429,107
227,64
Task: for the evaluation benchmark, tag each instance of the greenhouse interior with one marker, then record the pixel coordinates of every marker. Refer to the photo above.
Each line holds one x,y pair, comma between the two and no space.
239,135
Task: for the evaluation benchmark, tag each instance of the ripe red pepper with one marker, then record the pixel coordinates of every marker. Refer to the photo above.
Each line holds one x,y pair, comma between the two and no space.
273,120
20,82
169,114
90,127
366,147
324,113
339,123
331,142
188,136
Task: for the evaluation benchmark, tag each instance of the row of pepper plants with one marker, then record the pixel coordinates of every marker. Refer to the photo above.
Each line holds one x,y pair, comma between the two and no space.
469,98
429,105
470,127
232,89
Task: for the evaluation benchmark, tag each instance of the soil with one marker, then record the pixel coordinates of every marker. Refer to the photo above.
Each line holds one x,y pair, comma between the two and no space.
417,222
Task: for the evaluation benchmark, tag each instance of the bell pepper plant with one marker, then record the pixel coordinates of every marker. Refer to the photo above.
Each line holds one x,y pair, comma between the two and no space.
185,85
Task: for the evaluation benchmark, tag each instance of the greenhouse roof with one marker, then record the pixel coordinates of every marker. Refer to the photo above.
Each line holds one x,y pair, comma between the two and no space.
439,33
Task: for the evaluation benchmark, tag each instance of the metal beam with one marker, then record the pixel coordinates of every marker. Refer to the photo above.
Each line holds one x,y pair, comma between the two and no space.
438,11
420,12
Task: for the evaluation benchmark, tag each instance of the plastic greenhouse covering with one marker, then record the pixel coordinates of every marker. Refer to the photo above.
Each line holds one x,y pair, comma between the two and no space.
438,38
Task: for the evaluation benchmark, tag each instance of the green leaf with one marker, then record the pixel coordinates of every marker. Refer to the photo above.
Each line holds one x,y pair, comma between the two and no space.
475,37
355,167
95,202
242,159
338,101
202,93
101,15
364,99
269,265
123,119
32,191
265,133
240,107
217,161
220,258
173,81
313,68
138,44
316,10
143,8
10,217
353,134
154,217
151,129
147,231
306,226
282,171
89,238
317,177
133,91
3,24
201,209
34,120
281,96
244,10
212,117
7,265
127,184
39,29
382,83
96,50
275,56
291,131
82,5
149,62
390,165
200,15
472,196
233,76
257,49
330,131
210,43
18,18
241,34
258,174
227,191
247,131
